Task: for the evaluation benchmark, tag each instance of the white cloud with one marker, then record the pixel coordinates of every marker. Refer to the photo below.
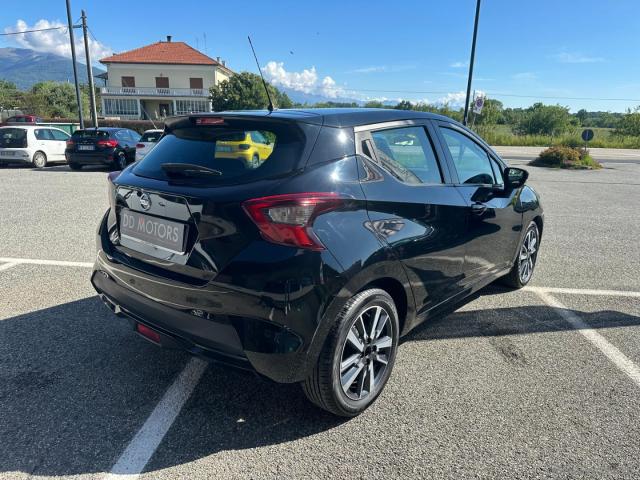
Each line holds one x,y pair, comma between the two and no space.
567,57
384,68
454,100
524,76
55,41
306,81
372,69
459,65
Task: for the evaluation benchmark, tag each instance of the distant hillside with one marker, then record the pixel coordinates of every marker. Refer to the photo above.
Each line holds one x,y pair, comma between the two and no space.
25,67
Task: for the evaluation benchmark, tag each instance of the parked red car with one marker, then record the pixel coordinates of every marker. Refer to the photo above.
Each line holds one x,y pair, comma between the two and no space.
32,119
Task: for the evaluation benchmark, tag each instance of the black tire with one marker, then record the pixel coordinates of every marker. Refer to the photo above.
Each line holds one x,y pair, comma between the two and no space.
120,161
515,278
75,166
39,160
255,160
324,387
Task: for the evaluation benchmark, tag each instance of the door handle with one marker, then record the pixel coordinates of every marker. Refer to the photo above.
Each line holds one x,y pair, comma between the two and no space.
478,208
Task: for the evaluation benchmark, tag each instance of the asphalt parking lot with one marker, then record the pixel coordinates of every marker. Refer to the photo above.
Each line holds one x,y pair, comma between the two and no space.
538,383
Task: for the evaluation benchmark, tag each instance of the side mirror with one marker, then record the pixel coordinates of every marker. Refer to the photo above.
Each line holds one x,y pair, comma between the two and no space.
514,178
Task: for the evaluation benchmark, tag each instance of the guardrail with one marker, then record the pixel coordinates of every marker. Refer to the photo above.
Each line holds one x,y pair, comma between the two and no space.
155,92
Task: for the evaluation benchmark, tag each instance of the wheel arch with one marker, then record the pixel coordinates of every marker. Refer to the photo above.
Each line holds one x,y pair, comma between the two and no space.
397,292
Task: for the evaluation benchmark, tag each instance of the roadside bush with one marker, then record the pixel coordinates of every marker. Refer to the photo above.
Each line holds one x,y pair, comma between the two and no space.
565,157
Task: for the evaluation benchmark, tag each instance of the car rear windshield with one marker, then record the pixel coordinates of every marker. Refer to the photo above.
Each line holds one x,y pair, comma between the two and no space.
90,134
237,152
13,138
150,137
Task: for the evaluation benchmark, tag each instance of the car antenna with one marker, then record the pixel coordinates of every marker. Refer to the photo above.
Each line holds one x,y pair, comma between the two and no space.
271,107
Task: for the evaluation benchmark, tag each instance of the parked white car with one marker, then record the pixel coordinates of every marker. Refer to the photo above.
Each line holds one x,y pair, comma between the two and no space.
146,143
33,144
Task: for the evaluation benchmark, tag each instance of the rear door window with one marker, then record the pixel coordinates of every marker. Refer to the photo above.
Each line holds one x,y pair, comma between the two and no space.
13,138
151,137
228,150
407,153
78,134
469,159
43,134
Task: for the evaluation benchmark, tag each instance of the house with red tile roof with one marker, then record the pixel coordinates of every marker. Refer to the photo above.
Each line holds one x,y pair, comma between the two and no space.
158,80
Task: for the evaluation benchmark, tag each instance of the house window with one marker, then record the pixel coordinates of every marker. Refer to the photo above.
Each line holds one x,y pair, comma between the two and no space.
128,81
162,82
191,106
120,106
196,83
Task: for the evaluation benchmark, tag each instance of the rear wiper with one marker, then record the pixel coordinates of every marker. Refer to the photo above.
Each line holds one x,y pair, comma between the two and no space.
189,170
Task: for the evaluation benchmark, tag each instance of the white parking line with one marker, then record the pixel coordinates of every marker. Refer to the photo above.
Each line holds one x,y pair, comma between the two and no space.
146,441
584,291
34,261
7,266
618,358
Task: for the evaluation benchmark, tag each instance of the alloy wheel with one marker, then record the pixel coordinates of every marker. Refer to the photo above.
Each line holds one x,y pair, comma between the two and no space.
527,257
365,353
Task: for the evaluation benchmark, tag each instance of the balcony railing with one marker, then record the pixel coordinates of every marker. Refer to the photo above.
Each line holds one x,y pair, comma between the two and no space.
155,92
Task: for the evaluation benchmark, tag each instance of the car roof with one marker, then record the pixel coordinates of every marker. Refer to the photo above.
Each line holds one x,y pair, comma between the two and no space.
332,117
102,129
32,126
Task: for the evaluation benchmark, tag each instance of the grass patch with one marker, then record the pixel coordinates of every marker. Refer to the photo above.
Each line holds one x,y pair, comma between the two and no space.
603,138
566,157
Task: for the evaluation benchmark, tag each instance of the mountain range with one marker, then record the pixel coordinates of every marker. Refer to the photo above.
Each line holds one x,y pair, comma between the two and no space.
25,67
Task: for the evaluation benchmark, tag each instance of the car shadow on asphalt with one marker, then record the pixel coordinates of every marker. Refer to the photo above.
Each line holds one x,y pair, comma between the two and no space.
76,384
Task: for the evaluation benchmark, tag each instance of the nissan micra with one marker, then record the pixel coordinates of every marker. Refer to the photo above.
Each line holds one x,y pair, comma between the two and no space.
310,265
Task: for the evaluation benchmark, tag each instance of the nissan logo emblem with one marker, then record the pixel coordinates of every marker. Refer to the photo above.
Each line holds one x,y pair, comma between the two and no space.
145,201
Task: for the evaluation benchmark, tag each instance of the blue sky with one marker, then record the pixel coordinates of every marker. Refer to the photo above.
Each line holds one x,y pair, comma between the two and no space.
416,50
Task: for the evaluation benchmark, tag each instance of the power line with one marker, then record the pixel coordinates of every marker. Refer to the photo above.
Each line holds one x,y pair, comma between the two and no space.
33,31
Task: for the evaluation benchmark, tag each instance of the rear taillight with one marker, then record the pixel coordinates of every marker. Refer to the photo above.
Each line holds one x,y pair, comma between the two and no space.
70,143
140,145
287,219
244,146
107,143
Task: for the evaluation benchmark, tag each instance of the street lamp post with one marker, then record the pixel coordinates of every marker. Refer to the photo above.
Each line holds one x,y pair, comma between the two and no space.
473,56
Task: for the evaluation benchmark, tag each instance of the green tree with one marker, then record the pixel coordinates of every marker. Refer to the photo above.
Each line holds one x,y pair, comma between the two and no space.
582,116
404,105
10,96
55,100
540,119
244,91
374,104
629,124
491,113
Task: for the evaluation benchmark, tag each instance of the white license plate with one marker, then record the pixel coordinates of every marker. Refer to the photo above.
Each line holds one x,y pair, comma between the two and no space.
223,148
86,147
7,153
153,231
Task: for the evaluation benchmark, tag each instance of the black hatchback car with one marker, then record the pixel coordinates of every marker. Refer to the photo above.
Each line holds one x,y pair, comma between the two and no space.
110,146
309,265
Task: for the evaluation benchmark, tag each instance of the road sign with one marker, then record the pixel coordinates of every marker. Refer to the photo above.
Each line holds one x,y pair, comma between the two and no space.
478,103
587,135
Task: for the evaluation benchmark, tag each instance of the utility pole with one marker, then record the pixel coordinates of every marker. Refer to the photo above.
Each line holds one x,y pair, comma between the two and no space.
92,92
473,56
73,59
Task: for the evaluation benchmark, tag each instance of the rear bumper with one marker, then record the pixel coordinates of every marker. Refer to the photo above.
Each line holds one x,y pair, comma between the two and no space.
102,158
17,156
277,334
